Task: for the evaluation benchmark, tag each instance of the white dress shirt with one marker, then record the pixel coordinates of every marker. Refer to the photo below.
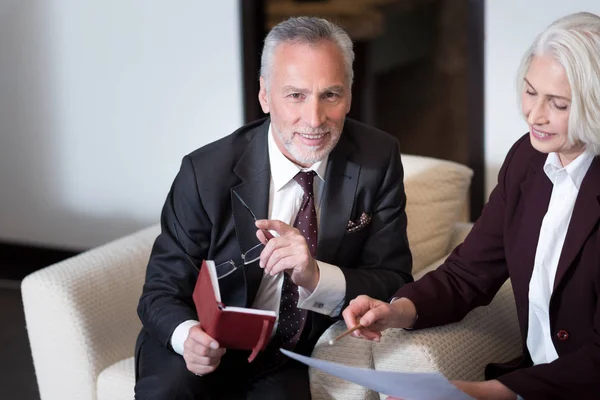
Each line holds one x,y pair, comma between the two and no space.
566,183
285,199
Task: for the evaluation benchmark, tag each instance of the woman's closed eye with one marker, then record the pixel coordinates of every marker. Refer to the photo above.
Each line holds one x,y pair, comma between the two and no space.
560,105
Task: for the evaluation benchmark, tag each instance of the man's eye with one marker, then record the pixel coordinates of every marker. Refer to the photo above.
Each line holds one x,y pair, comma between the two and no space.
295,96
331,95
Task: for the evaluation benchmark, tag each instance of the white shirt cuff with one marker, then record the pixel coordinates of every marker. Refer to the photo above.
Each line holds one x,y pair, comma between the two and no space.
328,296
180,335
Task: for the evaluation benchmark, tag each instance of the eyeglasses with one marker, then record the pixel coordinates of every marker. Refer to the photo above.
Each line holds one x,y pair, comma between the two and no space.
229,267
248,257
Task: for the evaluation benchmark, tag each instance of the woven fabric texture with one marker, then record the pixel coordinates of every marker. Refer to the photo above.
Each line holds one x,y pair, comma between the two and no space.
460,350
116,381
81,315
436,194
348,351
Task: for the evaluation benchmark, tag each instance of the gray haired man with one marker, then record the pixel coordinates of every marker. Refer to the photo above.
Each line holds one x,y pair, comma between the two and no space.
330,192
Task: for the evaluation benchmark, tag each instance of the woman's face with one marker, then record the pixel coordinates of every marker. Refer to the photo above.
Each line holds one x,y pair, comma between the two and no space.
546,101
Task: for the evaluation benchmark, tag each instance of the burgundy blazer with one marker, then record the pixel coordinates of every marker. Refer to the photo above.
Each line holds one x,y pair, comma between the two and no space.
502,244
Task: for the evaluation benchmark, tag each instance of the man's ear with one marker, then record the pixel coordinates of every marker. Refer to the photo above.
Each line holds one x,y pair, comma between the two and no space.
263,97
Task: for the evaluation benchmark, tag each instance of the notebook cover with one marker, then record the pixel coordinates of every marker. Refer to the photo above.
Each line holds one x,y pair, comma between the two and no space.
233,329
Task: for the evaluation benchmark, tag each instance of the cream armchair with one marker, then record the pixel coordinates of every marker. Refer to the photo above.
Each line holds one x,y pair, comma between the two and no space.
82,322
460,350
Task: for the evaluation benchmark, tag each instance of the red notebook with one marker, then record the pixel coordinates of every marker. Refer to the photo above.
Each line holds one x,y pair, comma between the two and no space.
233,327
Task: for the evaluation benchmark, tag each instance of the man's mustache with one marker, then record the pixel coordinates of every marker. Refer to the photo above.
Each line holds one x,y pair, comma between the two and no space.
317,131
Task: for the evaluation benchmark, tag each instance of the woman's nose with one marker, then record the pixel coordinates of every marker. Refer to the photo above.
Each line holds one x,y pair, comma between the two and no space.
537,115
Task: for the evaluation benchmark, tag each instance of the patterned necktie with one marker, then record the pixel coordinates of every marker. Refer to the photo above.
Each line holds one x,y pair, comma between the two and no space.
291,318
306,219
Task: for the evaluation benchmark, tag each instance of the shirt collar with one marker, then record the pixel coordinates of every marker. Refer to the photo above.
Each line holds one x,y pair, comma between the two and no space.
283,170
576,169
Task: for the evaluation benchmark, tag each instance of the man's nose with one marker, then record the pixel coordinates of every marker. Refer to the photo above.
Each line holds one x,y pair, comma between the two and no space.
314,113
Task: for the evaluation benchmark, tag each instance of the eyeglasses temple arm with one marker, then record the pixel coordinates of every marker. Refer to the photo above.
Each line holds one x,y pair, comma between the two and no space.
267,234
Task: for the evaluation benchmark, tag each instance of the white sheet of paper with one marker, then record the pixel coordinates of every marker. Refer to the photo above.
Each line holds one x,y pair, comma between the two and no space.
404,385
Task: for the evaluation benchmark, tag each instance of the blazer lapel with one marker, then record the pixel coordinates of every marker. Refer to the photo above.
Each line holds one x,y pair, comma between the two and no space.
338,199
253,169
536,191
585,216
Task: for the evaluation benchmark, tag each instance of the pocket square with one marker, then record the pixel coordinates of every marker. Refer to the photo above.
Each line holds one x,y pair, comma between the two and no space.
359,224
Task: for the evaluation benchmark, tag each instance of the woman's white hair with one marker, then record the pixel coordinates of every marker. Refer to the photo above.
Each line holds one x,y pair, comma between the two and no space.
307,30
574,41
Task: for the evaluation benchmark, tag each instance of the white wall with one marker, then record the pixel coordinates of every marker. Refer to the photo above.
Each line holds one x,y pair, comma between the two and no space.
511,26
99,101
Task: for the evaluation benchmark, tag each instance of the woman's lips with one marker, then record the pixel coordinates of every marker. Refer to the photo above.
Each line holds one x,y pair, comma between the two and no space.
541,135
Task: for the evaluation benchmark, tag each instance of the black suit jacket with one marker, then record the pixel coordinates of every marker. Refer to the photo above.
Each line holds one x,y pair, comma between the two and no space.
503,244
202,219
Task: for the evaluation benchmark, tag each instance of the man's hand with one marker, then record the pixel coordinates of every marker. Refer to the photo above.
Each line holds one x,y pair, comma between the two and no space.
376,316
287,252
201,353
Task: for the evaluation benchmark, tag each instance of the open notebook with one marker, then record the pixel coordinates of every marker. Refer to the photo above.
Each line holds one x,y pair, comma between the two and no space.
233,327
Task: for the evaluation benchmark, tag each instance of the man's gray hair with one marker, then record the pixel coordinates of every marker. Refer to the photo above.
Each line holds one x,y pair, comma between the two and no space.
574,41
306,30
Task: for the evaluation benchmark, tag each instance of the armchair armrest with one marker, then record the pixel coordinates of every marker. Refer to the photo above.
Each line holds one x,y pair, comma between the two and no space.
81,314
348,351
460,350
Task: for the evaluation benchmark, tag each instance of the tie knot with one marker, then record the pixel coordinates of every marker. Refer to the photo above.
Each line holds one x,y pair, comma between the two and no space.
305,180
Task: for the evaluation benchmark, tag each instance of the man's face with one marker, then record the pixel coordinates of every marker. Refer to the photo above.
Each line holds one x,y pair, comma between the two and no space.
308,98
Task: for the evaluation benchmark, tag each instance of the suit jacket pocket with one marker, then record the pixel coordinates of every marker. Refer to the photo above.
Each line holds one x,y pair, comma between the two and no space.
359,224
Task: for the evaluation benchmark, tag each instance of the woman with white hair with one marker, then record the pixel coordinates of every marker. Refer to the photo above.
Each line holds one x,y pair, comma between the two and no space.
540,228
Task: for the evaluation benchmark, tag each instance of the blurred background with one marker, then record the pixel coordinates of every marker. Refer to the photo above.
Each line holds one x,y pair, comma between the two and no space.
100,100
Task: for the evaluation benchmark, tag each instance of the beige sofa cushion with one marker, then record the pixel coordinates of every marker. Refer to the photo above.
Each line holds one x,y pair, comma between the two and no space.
436,192
117,381
459,351
348,351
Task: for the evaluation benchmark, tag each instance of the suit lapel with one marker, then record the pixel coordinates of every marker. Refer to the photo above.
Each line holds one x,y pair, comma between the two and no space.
536,191
254,170
585,217
338,199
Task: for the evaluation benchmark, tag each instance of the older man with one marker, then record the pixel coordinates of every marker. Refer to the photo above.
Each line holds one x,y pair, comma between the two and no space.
330,191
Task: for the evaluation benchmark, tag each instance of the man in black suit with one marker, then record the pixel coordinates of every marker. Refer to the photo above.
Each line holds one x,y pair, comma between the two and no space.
355,197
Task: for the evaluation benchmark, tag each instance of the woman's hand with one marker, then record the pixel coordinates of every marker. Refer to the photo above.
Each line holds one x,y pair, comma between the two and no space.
376,316
488,390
